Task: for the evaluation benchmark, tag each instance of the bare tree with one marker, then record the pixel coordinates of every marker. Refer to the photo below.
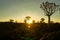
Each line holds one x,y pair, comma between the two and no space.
49,9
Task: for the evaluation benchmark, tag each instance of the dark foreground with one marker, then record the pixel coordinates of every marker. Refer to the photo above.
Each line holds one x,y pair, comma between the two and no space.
37,31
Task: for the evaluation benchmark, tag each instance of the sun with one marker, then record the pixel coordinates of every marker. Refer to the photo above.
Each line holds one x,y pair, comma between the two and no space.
29,21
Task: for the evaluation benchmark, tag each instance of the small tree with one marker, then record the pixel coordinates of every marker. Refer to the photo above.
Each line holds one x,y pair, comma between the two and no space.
11,20
49,9
28,17
42,20
33,21
25,21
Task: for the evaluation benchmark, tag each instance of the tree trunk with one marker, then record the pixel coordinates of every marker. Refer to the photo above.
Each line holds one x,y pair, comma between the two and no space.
48,21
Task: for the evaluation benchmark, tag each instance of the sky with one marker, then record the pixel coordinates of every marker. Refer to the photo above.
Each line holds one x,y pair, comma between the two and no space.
19,9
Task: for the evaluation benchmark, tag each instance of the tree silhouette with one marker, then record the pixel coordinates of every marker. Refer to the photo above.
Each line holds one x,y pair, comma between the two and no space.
25,21
33,21
11,20
28,17
42,20
49,9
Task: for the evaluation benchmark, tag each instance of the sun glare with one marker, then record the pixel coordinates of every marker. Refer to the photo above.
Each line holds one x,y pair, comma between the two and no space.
29,21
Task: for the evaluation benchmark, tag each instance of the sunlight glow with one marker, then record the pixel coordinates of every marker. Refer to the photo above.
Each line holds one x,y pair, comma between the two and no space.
29,21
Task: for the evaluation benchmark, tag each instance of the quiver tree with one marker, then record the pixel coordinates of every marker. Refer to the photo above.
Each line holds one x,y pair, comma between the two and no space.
11,20
42,20
33,21
49,9
27,19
